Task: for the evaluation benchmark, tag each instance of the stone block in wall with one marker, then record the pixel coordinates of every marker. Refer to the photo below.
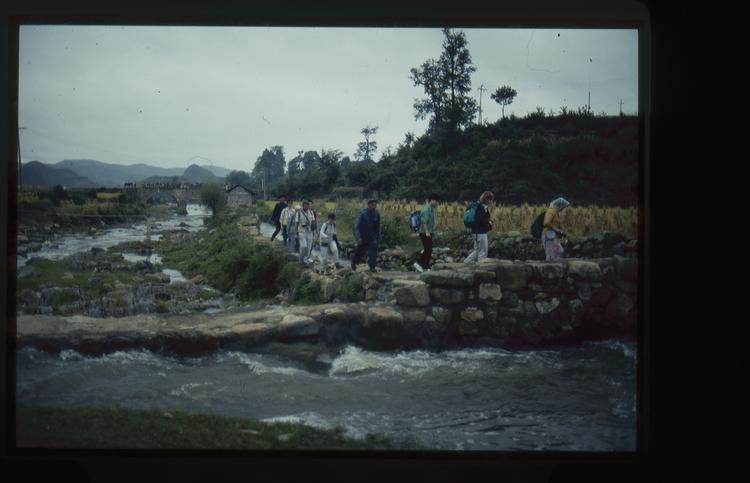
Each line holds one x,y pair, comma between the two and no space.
547,270
472,314
627,268
545,307
512,276
600,296
584,270
576,310
584,292
510,299
383,316
470,320
446,296
417,294
626,286
442,315
484,276
490,291
619,307
448,278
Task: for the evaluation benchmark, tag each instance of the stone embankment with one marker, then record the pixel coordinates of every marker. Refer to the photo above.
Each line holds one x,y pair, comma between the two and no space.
497,302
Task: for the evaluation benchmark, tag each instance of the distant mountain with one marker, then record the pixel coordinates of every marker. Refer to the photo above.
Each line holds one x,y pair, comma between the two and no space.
218,171
105,174
40,174
196,174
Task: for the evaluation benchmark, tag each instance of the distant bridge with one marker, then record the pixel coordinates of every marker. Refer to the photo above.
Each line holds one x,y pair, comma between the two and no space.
181,193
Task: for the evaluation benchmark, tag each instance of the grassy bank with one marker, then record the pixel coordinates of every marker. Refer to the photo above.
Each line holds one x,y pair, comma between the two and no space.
100,428
228,258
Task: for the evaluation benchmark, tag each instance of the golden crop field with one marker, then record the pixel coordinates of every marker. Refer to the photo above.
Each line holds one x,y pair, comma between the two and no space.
577,221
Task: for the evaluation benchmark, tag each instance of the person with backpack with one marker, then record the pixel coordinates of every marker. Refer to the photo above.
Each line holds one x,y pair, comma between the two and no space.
276,216
477,217
303,230
552,229
284,220
292,240
328,243
426,232
367,235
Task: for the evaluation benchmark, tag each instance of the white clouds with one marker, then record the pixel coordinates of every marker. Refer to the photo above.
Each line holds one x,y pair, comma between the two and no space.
169,93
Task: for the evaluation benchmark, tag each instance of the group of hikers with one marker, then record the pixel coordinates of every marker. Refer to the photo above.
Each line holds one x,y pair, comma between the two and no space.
298,225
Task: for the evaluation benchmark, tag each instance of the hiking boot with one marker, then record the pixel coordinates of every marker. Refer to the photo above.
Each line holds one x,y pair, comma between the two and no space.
418,267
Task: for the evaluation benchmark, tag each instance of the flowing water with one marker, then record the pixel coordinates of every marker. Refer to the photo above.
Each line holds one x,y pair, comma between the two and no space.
70,244
580,398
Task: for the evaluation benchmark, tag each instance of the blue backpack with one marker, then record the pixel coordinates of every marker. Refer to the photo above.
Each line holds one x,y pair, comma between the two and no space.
470,215
415,221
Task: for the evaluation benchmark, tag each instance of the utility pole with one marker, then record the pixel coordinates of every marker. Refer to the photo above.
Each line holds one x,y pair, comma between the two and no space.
589,104
621,107
481,91
18,145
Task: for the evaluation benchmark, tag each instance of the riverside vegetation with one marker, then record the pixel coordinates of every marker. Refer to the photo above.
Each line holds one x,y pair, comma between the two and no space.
116,428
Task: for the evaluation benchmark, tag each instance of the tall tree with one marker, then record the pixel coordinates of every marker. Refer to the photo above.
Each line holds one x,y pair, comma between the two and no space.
447,84
212,195
366,149
504,96
270,164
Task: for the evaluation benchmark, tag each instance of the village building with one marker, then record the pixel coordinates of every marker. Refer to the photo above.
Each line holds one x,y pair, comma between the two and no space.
238,195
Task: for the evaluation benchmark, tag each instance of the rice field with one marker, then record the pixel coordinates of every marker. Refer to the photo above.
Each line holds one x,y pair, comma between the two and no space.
576,220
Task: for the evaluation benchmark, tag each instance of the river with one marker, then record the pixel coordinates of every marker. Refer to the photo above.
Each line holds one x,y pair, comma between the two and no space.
577,398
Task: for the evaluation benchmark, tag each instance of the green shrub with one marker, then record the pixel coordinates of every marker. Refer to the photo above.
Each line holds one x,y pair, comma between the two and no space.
308,291
288,276
455,238
394,231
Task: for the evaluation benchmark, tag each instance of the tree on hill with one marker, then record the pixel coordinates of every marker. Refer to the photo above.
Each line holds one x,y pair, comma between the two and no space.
366,149
504,96
447,84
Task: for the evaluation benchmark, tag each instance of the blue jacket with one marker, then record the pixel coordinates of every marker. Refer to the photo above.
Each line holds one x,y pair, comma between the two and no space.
277,211
482,224
367,226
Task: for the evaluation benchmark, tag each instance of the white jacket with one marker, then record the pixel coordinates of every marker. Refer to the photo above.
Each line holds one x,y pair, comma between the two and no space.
327,231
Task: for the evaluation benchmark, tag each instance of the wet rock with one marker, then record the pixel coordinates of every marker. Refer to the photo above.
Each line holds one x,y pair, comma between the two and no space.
145,266
158,277
417,294
198,279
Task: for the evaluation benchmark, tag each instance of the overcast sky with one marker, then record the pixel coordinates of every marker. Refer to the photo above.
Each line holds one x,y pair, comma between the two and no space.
172,96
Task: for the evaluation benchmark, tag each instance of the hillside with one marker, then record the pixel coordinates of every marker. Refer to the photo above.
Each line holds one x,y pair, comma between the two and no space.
40,174
196,174
587,159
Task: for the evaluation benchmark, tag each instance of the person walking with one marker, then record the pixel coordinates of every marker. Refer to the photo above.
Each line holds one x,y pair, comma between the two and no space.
303,230
552,229
427,232
284,220
328,243
367,235
482,225
276,216
292,241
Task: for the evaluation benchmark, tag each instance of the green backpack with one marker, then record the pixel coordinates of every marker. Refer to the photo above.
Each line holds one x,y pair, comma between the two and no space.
470,215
